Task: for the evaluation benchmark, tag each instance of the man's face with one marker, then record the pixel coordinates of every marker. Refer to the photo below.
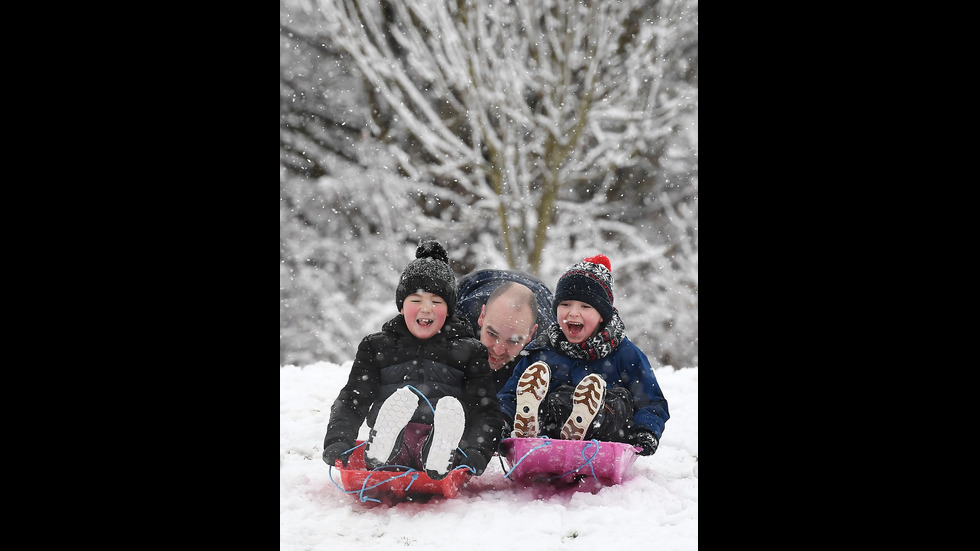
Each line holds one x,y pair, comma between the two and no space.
504,330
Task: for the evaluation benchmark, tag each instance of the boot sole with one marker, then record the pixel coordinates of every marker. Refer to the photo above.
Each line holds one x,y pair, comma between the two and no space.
531,390
394,415
586,402
447,429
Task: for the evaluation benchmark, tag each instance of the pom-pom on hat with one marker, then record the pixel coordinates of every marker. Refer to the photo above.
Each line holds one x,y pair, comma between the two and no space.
429,272
589,281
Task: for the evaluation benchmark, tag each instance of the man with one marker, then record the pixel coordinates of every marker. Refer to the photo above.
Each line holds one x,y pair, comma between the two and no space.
504,308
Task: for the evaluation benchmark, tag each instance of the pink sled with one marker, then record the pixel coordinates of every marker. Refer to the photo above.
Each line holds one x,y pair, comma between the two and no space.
546,459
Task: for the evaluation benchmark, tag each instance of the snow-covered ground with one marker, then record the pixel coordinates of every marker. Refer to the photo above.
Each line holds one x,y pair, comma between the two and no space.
655,507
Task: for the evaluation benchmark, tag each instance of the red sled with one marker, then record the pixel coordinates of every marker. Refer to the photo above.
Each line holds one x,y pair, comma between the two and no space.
357,478
570,461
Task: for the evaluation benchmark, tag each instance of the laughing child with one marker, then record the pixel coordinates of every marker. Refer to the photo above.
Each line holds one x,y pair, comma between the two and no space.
583,379
423,383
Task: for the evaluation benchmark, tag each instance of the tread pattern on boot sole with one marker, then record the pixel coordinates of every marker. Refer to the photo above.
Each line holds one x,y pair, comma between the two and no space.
531,390
394,415
586,402
447,429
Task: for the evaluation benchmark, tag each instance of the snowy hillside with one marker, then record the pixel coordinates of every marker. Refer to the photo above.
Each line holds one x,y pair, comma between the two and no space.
656,506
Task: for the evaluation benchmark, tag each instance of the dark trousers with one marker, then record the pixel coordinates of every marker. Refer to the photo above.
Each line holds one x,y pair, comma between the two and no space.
409,453
611,424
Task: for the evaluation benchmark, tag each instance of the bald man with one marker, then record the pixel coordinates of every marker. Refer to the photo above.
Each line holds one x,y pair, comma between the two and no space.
505,309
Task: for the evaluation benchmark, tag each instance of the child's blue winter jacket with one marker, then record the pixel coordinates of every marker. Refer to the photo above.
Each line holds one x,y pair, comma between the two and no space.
627,366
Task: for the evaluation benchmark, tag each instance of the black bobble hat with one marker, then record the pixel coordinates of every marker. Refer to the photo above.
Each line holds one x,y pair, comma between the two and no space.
589,281
429,272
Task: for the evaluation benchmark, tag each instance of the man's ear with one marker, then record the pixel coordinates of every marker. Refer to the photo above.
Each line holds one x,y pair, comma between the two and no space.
483,310
533,331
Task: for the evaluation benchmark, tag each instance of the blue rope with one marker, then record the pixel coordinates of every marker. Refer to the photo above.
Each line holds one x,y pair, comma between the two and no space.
365,487
529,452
419,392
588,461
410,471
431,408
415,473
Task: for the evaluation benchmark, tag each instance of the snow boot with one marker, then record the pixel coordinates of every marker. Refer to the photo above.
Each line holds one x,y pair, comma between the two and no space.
586,401
447,429
386,436
531,390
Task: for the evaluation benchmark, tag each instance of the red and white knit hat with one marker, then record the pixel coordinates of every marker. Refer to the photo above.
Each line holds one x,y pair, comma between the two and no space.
589,281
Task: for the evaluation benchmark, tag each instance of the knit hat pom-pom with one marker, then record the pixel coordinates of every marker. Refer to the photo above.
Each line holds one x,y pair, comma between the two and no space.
589,281
429,272
598,259
433,249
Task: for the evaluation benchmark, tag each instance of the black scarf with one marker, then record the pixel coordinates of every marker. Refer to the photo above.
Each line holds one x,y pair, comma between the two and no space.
597,346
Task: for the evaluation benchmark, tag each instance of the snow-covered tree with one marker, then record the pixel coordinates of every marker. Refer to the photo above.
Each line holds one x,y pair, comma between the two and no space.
527,134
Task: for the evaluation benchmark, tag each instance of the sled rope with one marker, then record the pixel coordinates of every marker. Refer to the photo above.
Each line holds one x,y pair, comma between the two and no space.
529,452
419,392
587,460
433,410
415,473
364,486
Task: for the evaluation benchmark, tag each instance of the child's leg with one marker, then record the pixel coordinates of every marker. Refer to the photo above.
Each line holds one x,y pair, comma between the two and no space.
615,418
557,408
412,443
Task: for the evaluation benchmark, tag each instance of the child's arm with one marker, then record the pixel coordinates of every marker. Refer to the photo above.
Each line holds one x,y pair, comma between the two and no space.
352,405
650,405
